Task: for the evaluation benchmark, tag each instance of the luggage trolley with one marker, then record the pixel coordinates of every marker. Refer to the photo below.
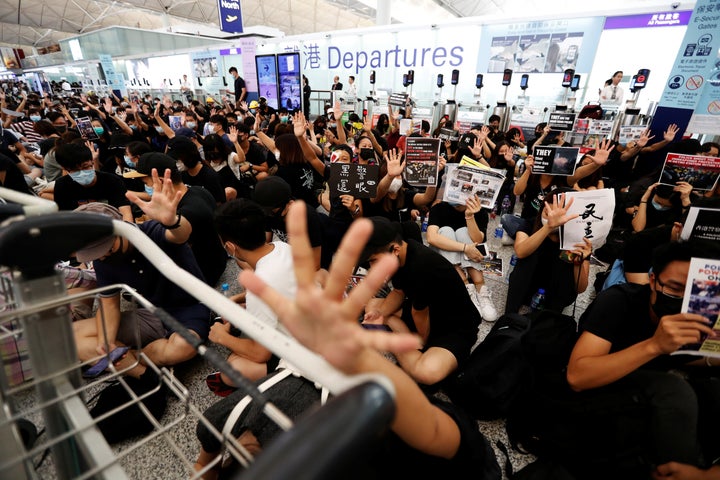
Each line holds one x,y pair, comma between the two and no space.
318,445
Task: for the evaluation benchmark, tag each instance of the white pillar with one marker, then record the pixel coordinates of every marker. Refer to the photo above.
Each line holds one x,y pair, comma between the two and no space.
382,13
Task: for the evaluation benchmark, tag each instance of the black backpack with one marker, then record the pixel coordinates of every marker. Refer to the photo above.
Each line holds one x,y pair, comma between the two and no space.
505,364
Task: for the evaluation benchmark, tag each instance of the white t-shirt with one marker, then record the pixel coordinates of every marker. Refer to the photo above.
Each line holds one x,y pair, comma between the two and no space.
276,269
612,95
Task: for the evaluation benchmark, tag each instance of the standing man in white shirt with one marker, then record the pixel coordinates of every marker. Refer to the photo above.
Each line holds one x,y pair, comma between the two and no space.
351,89
612,94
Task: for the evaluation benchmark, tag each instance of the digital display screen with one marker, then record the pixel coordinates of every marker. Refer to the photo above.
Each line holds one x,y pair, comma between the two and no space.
524,81
568,77
507,76
479,81
641,78
290,81
455,77
575,84
267,78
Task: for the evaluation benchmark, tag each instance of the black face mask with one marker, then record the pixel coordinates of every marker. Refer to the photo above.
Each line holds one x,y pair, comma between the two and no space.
367,154
665,305
61,129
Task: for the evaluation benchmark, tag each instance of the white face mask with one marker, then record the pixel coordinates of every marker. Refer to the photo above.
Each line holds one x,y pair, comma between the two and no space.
545,222
395,185
180,166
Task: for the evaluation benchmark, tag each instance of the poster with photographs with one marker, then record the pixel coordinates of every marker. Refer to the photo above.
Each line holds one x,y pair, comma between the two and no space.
175,121
630,133
701,224
594,209
463,181
206,67
702,297
422,155
85,127
555,160
700,172
354,179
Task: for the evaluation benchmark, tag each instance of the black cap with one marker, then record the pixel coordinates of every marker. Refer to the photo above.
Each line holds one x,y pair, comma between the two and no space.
150,160
178,144
385,231
271,193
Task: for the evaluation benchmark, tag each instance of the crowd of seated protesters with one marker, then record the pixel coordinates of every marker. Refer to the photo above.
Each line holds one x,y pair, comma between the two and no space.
203,178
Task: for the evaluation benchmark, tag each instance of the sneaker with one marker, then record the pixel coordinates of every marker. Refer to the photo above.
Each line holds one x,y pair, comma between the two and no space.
217,386
472,293
485,305
507,239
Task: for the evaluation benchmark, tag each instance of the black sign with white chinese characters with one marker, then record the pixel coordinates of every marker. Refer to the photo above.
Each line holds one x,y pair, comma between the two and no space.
354,179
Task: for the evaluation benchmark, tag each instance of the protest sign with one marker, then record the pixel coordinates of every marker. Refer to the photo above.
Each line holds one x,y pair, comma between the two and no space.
463,181
595,210
562,121
421,161
700,172
702,297
555,160
701,224
85,127
354,179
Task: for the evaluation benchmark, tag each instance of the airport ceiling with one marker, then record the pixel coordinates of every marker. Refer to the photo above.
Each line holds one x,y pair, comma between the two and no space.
39,23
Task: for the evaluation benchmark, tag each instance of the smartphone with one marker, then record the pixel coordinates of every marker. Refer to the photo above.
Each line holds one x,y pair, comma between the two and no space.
440,79
455,77
568,77
479,81
524,81
507,77
482,248
575,84
569,257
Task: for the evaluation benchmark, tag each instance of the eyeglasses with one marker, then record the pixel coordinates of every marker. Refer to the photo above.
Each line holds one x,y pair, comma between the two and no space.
668,290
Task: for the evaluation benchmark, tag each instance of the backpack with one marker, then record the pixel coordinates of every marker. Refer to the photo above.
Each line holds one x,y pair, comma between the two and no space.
591,110
504,366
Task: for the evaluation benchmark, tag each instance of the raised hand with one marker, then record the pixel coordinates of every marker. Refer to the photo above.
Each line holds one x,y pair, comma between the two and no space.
299,124
232,134
321,318
394,162
671,132
164,201
645,137
602,152
556,211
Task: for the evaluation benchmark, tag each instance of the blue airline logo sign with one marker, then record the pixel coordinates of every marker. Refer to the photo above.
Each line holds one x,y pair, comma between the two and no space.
230,16
397,57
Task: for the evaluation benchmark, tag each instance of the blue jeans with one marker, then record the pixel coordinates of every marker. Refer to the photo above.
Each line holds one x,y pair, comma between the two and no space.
512,223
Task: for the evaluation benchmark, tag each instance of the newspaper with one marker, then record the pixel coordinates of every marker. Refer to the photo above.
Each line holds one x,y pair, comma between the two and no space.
702,296
464,180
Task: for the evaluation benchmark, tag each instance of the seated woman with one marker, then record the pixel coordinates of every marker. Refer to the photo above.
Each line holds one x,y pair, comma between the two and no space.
541,263
454,231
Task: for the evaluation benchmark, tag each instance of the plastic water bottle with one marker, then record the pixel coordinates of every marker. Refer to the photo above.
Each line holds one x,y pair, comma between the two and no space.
537,300
505,208
496,242
424,226
225,289
511,267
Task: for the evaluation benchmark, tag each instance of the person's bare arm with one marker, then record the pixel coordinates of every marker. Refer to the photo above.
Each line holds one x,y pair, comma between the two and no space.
308,152
337,112
602,153
119,118
169,132
640,218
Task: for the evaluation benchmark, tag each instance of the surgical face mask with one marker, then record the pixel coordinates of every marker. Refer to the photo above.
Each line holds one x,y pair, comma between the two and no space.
180,166
190,124
133,127
212,129
35,118
83,177
99,130
666,305
149,190
283,119
129,162
61,128
658,207
395,185
367,154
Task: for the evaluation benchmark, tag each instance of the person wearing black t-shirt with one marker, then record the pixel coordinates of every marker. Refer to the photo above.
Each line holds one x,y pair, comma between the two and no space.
83,184
240,88
11,177
196,172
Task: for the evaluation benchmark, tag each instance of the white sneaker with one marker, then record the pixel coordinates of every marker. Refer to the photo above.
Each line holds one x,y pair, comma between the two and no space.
473,296
485,305
507,239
